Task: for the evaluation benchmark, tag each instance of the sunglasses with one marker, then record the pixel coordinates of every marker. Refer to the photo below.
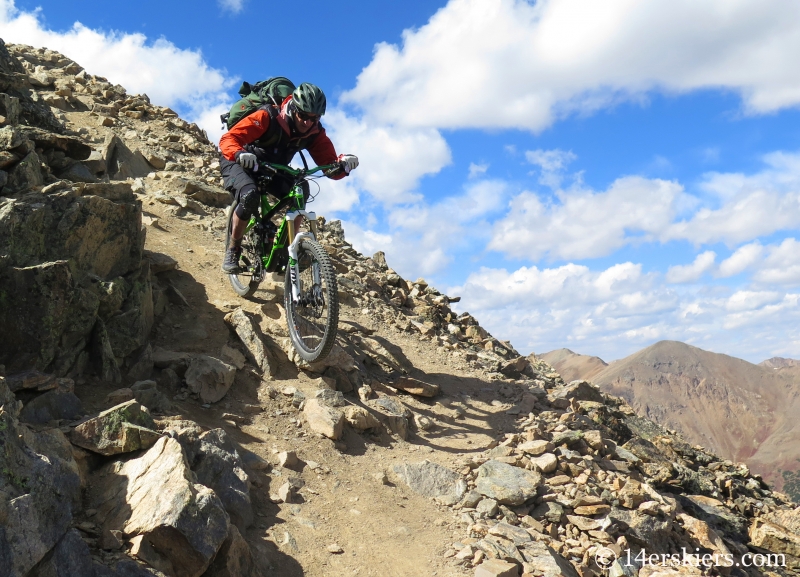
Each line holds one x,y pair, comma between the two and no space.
306,117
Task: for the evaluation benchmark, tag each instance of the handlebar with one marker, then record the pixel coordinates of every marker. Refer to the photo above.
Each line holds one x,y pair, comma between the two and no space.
299,172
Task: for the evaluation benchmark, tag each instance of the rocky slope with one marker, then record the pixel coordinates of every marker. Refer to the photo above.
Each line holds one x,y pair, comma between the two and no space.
153,423
737,409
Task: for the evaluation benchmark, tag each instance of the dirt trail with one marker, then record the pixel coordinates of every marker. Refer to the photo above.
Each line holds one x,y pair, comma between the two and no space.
383,529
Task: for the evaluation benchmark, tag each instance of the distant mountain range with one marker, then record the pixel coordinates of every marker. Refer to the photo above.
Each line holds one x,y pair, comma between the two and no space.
745,412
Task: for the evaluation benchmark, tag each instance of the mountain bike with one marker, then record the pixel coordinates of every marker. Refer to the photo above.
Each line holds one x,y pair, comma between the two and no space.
310,293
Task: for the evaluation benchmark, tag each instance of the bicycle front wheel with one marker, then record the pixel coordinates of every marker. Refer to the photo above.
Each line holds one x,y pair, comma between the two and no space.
314,317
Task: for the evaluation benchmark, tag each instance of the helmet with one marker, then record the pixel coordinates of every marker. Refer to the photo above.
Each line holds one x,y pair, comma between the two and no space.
309,99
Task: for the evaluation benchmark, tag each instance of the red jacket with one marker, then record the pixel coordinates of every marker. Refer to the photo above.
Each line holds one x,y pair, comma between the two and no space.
254,126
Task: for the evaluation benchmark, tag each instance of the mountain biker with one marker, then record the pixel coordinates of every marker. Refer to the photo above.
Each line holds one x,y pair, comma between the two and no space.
250,141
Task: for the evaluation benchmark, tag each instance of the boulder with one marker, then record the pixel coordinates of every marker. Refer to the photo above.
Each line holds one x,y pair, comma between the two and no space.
69,558
433,481
580,391
323,419
147,394
121,429
122,162
40,487
209,377
179,525
142,366
245,329
218,465
360,418
47,318
52,406
779,533
507,484
234,558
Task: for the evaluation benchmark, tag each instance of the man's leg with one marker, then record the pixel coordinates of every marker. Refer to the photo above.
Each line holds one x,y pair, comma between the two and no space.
241,185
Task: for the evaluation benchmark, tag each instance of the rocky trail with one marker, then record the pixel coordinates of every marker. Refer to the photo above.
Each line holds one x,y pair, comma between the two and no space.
154,423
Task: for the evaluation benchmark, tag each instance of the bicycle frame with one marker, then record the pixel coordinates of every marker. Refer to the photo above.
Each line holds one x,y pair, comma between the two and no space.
286,230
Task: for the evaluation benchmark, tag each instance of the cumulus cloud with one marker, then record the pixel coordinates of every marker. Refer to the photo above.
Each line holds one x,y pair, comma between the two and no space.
169,75
553,58
584,223
539,309
552,163
692,272
614,312
775,264
392,159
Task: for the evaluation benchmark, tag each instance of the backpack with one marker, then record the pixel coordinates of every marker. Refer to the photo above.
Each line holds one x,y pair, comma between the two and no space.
270,91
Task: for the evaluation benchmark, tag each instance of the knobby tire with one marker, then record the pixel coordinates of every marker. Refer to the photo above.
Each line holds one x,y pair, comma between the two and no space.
312,329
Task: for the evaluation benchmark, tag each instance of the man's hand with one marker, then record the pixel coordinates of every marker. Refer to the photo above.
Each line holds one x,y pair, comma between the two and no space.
248,160
348,162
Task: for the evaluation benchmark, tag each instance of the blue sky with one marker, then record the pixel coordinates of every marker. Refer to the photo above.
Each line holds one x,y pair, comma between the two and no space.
590,175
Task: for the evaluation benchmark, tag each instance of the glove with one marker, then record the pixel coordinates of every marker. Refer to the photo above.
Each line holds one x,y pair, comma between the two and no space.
348,162
246,159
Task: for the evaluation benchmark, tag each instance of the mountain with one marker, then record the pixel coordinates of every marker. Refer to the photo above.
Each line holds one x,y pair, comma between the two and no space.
779,363
572,366
745,412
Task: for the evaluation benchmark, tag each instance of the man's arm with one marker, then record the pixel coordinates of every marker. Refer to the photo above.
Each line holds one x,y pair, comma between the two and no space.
244,132
323,152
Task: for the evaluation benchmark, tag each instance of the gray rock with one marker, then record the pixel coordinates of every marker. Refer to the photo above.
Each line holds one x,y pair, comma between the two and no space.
121,429
178,523
508,484
122,162
69,558
487,508
146,393
234,558
246,330
217,465
329,397
25,175
52,406
549,510
580,391
546,562
432,480
645,530
209,377
41,489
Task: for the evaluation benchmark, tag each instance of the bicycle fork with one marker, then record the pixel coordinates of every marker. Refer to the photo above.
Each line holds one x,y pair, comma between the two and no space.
294,268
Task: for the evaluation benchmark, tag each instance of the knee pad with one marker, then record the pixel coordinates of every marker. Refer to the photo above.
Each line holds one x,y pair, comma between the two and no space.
248,203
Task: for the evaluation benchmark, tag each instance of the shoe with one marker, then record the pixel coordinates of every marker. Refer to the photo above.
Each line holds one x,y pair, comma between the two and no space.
230,264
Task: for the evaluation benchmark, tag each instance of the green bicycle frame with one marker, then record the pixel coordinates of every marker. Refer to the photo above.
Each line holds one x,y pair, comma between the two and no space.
286,232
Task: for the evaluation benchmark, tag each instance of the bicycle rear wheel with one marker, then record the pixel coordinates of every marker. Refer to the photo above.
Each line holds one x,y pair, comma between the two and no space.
314,318
245,283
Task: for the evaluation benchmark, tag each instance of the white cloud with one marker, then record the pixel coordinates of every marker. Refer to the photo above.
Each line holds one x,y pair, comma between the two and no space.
235,6
170,76
692,272
552,162
614,312
585,223
744,257
519,64
392,160
476,170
